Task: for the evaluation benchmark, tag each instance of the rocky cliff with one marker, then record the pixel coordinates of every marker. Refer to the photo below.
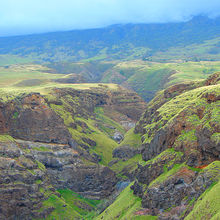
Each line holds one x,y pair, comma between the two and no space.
180,172
54,142
180,134
63,151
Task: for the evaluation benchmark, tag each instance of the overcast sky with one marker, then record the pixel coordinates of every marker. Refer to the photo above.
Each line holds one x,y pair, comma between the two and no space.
35,16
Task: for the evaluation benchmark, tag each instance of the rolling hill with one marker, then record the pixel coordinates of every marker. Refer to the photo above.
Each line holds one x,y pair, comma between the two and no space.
191,40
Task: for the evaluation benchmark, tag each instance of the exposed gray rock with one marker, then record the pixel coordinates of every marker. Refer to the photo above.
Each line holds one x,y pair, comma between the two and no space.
118,136
125,152
66,170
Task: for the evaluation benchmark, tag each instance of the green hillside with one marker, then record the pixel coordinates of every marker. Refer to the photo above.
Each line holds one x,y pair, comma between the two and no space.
195,39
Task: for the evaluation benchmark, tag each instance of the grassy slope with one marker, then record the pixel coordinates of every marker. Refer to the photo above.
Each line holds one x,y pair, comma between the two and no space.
208,204
131,139
10,77
205,51
12,59
69,205
176,105
104,144
146,78
124,207
129,165
32,78
194,98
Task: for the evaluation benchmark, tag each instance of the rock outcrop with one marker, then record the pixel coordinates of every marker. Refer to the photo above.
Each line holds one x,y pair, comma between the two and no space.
22,183
52,146
181,147
30,118
125,152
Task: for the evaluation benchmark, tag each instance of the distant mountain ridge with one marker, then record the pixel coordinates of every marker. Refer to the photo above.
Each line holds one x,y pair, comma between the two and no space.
130,41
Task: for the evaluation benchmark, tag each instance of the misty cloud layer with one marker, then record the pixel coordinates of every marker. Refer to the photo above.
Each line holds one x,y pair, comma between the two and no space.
34,16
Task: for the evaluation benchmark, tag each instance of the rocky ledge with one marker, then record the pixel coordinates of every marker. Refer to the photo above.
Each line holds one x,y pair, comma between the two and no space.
181,147
47,144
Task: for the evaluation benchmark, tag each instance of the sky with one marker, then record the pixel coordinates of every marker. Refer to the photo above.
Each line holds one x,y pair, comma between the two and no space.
37,16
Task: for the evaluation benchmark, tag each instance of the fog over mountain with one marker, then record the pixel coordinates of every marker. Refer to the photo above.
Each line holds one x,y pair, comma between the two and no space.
25,17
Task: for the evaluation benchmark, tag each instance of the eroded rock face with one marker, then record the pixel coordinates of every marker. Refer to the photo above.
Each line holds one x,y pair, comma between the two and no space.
45,156
90,181
175,192
121,101
180,133
205,148
31,119
21,183
30,172
146,174
65,169
170,192
125,152
186,185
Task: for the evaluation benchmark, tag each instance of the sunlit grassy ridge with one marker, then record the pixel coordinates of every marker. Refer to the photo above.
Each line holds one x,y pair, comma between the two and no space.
184,102
131,139
20,76
124,207
67,204
144,77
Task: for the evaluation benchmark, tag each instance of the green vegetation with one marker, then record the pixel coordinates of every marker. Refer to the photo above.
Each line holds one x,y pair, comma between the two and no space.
182,103
124,207
40,165
62,210
80,204
69,205
213,170
6,138
145,64
106,124
146,77
123,167
169,155
131,139
101,136
15,74
207,205
197,39
166,175
186,137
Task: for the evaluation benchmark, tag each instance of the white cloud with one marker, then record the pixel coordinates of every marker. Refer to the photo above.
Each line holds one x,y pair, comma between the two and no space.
29,16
